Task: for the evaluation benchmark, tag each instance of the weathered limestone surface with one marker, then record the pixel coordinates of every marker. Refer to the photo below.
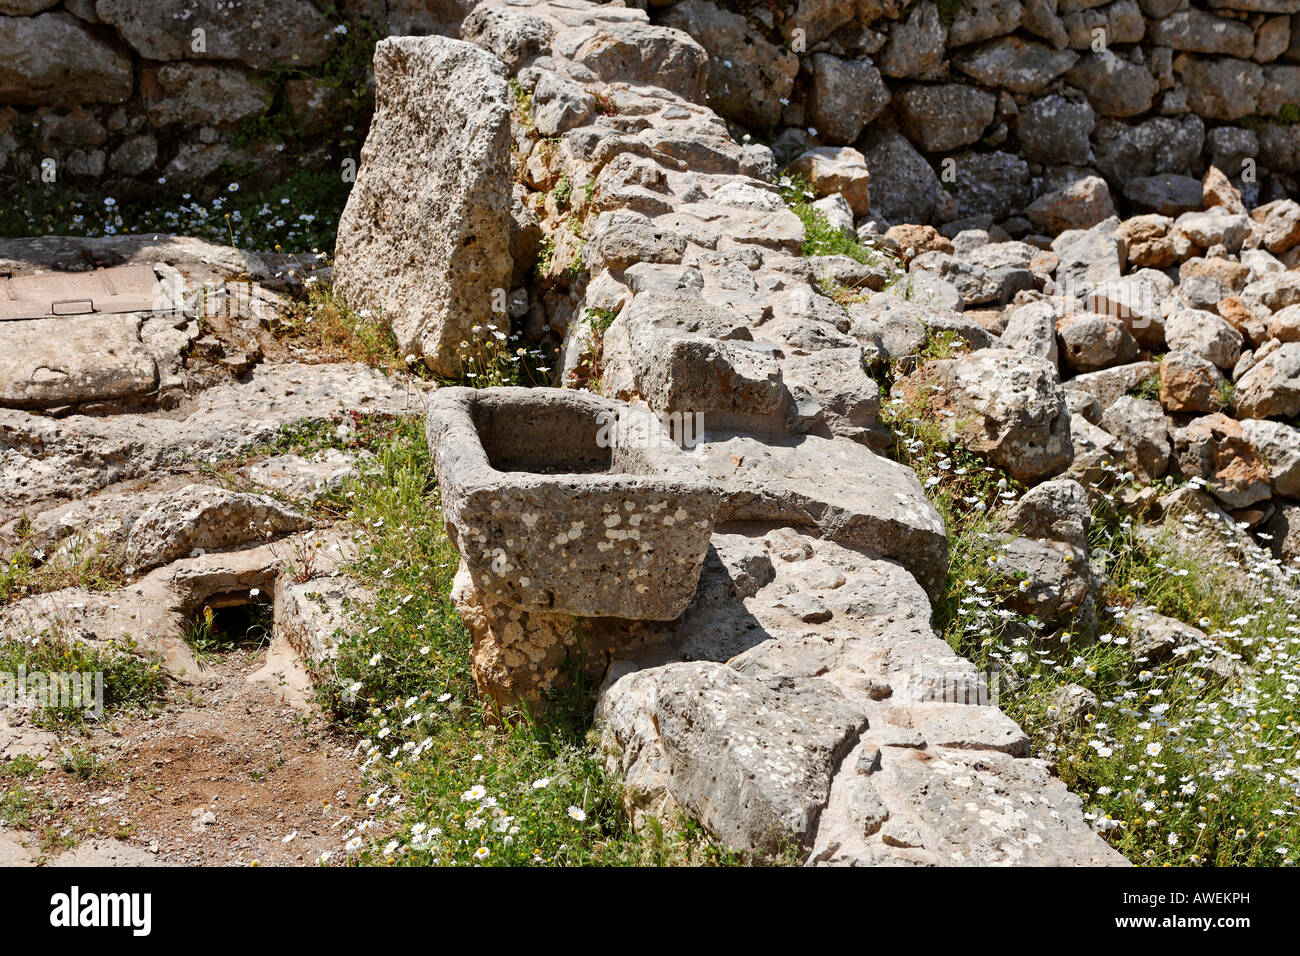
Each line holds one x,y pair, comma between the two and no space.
42,458
425,237
563,502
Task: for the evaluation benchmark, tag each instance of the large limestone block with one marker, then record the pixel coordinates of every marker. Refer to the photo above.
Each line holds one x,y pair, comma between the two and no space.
425,237
1008,406
750,758
49,362
973,809
265,34
1271,389
199,518
42,457
53,60
641,53
748,77
684,355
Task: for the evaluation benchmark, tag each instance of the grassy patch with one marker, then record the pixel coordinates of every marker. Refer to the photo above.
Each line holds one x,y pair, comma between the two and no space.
299,214
324,325
211,633
948,10
820,237
16,806
130,681
1185,761
446,785
1148,388
84,561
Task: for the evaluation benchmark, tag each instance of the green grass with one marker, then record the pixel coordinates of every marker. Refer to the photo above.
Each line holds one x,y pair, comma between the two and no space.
1148,388
948,10
130,681
330,330
207,636
820,237
447,784
88,561
1177,766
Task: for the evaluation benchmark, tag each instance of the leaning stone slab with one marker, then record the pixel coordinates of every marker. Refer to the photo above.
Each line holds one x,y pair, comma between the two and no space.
562,501
425,236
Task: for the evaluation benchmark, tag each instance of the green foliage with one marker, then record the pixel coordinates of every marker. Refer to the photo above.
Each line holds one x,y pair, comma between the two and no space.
1225,395
839,292
1148,388
948,10
602,319
208,636
298,214
325,325
820,237
448,786
563,192
523,105
130,681
1186,761
246,208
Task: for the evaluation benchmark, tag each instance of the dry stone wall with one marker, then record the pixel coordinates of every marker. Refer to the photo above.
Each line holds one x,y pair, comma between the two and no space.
176,90
973,108
961,109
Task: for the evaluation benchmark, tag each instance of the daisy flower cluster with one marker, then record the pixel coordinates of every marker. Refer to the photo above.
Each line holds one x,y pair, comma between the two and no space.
1186,758
298,215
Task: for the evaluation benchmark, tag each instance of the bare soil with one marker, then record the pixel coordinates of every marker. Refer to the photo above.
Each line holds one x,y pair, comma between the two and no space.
222,775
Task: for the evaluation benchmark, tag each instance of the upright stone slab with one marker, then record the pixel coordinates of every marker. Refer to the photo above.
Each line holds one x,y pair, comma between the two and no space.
425,237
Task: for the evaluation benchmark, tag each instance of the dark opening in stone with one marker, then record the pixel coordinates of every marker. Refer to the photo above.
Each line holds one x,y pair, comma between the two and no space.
230,622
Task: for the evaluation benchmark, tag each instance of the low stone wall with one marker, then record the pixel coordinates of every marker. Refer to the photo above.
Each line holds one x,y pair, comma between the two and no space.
178,91
966,108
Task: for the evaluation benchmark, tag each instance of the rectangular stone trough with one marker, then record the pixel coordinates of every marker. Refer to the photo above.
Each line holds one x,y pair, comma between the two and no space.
567,502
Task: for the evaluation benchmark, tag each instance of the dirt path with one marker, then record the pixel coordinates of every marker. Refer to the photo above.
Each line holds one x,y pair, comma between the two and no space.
223,775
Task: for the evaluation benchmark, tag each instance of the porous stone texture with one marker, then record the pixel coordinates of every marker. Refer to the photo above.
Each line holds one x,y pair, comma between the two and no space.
42,458
52,59
1004,404
425,238
267,34
47,363
1168,93
783,703
199,518
564,502
889,713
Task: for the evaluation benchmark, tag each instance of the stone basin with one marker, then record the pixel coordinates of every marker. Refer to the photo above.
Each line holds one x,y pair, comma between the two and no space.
567,502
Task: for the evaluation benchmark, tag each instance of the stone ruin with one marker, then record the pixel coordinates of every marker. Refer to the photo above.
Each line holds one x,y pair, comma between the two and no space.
756,607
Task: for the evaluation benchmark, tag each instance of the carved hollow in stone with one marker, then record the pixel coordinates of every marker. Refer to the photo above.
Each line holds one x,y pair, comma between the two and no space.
568,502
